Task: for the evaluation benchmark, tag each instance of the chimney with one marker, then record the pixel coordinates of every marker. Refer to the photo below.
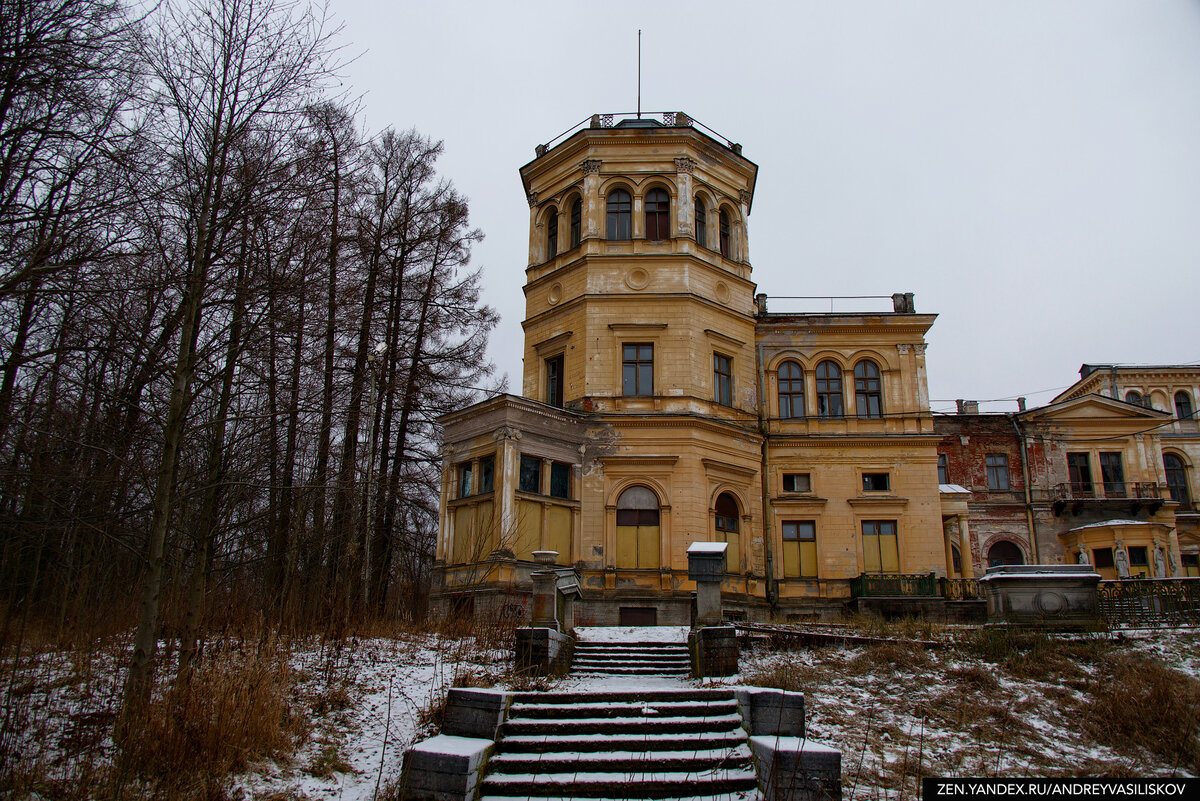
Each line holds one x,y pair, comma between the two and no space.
1020,404
961,404
760,300
971,407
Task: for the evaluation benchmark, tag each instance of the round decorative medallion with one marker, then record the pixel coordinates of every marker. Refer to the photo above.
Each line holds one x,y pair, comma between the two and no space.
554,295
1050,603
722,292
637,278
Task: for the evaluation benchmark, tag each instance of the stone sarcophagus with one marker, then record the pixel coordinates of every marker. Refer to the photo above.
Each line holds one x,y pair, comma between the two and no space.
1041,594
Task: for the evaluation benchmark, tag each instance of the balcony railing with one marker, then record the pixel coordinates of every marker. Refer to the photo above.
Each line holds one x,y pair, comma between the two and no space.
960,589
1125,490
894,585
666,119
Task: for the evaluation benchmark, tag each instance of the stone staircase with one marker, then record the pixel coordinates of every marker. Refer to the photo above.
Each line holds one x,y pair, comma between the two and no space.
668,744
631,659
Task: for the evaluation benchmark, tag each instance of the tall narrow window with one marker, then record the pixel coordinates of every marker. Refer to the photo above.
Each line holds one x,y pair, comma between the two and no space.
530,479
464,480
658,204
637,529
1112,473
560,480
791,391
829,390
997,471
880,553
799,548
943,469
701,222
576,223
1177,482
552,234
1079,472
487,474
637,370
1183,405
554,381
620,215
723,379
868,392
726,517
723,225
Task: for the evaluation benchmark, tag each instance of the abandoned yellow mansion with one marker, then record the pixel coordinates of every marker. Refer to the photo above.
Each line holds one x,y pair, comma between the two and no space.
663,404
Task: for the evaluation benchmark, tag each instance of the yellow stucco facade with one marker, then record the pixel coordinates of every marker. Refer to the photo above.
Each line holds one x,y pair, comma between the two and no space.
663,404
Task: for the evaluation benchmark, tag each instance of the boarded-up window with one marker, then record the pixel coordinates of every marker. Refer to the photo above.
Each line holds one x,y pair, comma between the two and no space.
637,529
529,529
799,548
880,554
559,533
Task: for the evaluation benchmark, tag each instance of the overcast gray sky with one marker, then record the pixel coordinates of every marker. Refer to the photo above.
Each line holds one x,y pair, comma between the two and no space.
1030,169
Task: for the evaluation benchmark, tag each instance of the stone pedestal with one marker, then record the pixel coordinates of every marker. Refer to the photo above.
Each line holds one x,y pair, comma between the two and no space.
714,651
545,589
1047,595
706,567
543,651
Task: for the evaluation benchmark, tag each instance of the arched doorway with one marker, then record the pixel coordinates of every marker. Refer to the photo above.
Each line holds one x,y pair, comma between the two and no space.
1005,553
637,528
726,524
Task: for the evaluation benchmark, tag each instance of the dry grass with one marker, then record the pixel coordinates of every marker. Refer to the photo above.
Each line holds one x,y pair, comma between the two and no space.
237,708
1138,702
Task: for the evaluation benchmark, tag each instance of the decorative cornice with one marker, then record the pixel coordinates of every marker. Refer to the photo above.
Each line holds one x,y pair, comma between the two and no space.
590,166
685,165
506,433
553,342
728,340
715,466
890,500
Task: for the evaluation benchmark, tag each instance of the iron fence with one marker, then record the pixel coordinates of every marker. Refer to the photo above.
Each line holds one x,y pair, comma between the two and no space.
1150,602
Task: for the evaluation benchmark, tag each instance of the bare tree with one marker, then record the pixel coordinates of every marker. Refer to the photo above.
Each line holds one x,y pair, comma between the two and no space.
226,72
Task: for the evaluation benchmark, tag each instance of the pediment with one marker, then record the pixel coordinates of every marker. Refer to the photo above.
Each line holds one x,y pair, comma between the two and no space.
1094,407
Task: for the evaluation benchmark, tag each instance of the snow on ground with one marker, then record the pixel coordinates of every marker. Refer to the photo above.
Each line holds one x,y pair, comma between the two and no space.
895,711
376,691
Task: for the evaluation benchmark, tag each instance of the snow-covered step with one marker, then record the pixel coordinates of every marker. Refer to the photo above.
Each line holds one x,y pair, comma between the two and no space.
612,709
691,761
631,659
623,725
625,696
647,783
741,795
670,741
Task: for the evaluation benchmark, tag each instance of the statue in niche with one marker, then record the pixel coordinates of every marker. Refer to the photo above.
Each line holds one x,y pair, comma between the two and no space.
1160,564
1082,558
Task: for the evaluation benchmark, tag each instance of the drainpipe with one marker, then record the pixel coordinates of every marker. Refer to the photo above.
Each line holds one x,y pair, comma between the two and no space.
1033,536
764,482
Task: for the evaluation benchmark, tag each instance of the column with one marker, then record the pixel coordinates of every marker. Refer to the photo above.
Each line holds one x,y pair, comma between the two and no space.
505,482
964,548
532,197
593,204
948,540
685,205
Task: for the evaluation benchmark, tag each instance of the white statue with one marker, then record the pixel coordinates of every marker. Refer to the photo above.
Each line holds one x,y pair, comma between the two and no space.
1160,565
1122,563
1082,558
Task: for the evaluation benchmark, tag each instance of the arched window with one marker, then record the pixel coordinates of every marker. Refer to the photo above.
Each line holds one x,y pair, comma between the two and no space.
576,222
1005,553
1183,405
1177,481
1133,396
552,234
637,529
658,206
791,391
620,215
723,225
701,222
829,390
726,516
868,391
